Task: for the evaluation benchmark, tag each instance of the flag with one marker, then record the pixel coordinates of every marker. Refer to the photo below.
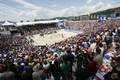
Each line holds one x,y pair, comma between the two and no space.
58,52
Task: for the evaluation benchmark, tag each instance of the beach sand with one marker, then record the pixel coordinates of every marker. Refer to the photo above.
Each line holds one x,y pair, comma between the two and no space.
50,39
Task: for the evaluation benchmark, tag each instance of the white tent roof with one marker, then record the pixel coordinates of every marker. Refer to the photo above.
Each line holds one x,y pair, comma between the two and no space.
6,23
37,22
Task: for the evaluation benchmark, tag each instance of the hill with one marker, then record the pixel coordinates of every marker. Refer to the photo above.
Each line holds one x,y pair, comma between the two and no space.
91,16
103,12
108,12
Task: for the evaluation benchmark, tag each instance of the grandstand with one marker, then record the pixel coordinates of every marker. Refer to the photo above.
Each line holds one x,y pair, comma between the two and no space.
46,32
72,46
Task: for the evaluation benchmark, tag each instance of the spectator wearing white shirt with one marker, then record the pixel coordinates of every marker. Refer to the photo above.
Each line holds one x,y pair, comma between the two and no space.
93,46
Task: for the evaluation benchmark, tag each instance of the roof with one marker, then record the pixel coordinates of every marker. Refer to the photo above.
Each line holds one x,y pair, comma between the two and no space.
1,22
37,22
6,23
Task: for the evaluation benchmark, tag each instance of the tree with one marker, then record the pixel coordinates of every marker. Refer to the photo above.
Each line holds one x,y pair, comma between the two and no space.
37,20
21,21
28,21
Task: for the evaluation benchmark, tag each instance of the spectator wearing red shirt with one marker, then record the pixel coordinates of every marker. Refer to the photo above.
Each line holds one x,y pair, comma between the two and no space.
91,65
1,67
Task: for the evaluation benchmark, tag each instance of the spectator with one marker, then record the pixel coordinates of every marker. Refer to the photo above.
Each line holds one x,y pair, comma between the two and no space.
101,48
82,73
1,67
19,70
98,58
38,74
46,67
66,69
28,70
91,66
8,75
56,70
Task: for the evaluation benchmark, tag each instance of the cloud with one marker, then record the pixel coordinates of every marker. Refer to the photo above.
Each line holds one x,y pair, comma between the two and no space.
97,6
26,4
82,10
30,11
35,10
54,5
7,12
89,1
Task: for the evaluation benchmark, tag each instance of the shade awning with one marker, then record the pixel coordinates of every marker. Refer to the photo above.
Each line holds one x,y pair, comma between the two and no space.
37,22
6,23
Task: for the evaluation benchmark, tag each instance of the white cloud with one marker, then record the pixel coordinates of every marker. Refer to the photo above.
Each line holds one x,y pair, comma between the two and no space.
32,11
26,4
54,5
98,6
7,12
89,1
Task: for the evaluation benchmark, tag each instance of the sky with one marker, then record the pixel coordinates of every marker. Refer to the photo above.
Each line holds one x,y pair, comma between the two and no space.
17,10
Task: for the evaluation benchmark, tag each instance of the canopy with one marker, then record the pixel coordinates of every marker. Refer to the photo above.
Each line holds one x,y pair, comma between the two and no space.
38,22
6,23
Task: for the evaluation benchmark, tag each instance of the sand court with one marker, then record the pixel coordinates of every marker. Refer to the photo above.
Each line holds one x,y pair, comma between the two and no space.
50,39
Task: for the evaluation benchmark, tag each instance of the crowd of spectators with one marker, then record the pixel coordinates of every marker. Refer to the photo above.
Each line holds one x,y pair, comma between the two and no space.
38,29
77,58
89,26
